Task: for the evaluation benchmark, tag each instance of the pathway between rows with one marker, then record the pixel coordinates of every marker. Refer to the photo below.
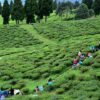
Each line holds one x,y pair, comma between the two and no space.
34,33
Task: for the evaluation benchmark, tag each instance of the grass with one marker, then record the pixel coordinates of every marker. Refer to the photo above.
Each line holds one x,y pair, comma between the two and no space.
31,54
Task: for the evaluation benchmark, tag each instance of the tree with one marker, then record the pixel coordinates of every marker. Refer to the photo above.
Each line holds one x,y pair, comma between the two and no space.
76,4
0,8
39,10
54,4
30,10
18,11
64,8
11,9
5,12
82,12
89,3
11,6
96,7
47,8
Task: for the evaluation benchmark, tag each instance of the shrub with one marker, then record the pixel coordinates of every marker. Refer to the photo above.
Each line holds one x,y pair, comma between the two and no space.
83,78
49,88
96,65
91,12
69,63
5,78
98,60
80,78
6,86
25,91
36,76
32,76
60,91
96,76
70,77
56,70
13,82
55,97
84,69
45,75
88,62
65,86
57,85
21,85
82,12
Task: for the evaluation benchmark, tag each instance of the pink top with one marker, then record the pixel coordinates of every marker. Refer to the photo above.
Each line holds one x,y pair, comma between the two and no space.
75,61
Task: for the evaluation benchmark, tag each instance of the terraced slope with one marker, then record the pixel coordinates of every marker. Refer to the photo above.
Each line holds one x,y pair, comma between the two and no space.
30,54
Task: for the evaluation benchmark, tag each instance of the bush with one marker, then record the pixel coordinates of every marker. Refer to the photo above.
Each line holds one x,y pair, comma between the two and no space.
88,62
55,97
36,76
13,82
70,77
96,65
57,85
60,91
69,63
45,75
56,70
5,78
66,86
21,85
32,76
91,12
49,88
83,78
25,91
6,86
84,69
96,76
82,12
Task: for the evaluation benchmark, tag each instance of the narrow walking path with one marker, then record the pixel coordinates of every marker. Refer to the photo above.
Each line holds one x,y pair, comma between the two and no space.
34,33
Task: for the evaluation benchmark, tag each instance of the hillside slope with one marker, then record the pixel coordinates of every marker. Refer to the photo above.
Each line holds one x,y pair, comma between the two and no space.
31,54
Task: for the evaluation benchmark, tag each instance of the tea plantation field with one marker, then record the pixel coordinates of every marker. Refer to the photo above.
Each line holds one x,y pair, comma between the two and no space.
31,54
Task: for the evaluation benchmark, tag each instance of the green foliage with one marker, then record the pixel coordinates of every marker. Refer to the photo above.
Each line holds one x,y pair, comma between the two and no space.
0,8
5,78
11,6
76,4
49,88
82,12
84,69
45,75
96,7
5,12
91,12
30,63
56,70
47,8
89,3
96,65
30,10
25,91
56,97
69,62
66,86
70,77
60,91
18,11
15,37
88,62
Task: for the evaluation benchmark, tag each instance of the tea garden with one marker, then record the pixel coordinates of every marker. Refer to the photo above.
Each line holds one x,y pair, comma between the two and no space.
31,54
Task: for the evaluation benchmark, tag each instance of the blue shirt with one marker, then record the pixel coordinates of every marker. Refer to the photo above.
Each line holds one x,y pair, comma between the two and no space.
50,83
